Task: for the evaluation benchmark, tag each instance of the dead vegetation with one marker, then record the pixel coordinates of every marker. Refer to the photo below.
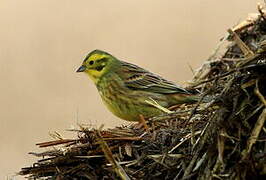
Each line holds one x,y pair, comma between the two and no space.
222,139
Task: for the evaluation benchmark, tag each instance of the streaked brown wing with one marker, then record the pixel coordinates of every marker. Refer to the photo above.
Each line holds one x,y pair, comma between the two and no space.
138,78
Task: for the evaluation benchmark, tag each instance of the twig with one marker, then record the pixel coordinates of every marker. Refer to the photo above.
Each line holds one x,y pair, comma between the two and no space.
185,139
258,126
109,156
56,142
123,138
244,48
257,92
254,134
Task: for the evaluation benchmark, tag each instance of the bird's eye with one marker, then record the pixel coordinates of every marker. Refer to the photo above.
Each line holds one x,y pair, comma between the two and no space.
91,62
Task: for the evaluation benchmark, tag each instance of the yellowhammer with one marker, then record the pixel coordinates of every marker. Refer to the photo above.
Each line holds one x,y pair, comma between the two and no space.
125,88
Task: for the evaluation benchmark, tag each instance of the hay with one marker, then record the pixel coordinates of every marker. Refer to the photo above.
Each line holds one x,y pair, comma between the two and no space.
222,139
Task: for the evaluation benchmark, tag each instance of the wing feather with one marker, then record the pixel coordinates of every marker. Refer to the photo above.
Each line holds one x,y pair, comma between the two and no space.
138,78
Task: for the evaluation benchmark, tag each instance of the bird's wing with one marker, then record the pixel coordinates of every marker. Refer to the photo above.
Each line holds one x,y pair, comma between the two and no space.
138,78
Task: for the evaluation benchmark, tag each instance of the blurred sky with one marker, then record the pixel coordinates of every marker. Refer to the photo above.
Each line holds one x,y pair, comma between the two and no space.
43,42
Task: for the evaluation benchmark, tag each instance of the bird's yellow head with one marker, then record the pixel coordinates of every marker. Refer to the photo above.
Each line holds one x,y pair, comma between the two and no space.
96,64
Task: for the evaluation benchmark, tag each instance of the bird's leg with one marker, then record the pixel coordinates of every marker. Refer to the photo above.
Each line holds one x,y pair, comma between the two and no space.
143,123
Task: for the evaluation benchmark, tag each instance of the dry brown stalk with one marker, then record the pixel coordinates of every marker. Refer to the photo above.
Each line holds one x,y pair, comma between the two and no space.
221,139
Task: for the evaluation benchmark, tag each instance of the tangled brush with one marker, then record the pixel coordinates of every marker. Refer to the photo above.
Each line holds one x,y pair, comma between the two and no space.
222,139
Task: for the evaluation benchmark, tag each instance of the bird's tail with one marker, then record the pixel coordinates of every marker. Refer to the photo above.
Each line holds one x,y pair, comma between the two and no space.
184,98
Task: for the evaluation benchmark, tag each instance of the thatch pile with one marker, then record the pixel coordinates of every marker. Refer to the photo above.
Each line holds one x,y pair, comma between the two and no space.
223,139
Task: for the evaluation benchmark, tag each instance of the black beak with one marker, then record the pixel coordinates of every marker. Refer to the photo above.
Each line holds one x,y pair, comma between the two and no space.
81,68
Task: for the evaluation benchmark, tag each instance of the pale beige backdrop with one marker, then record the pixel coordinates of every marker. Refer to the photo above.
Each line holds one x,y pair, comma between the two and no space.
43,42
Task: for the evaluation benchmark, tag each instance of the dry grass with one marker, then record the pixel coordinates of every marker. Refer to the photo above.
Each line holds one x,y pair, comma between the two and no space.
222,139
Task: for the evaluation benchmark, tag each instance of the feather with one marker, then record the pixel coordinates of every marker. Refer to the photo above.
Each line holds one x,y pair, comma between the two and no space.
137,78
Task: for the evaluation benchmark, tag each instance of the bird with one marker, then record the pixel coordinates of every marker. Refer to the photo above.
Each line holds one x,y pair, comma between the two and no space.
125,88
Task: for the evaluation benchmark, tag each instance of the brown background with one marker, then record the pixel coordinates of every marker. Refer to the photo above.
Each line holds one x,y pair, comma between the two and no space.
44,41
